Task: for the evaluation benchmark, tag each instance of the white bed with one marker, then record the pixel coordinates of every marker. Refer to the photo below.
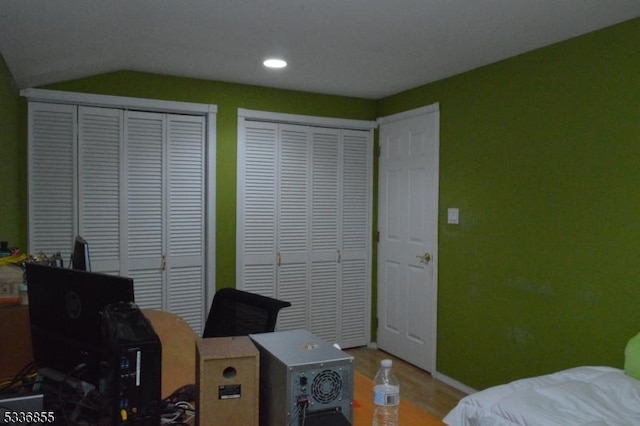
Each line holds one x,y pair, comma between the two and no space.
578,396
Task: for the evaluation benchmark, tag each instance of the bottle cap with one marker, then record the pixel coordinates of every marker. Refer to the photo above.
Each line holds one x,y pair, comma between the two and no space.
386,363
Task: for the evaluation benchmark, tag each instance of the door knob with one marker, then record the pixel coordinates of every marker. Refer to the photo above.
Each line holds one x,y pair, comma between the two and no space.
425,258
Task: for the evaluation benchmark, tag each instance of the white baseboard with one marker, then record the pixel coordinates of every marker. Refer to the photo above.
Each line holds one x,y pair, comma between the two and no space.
453,383
439,376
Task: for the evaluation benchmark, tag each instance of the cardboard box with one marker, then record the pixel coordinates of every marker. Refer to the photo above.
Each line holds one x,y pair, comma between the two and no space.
11,276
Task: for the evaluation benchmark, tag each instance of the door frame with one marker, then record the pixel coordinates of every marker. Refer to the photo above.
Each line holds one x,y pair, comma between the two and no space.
428,109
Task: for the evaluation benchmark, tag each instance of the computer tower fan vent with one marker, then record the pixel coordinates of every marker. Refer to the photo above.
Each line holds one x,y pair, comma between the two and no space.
326,387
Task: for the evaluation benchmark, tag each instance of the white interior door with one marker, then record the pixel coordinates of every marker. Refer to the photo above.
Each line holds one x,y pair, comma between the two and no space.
408,226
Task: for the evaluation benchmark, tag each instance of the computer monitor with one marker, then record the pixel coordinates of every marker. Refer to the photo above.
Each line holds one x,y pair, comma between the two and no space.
80,256
65,308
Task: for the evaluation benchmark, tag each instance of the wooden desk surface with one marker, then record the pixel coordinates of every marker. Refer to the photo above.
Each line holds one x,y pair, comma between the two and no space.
15,340
363,406
178,349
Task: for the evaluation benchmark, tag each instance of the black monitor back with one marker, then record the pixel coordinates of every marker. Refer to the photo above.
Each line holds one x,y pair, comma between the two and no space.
64,310
80,256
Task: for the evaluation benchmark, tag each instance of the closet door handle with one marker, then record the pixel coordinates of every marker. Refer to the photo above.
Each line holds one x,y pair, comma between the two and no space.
339,256
278,259
164,262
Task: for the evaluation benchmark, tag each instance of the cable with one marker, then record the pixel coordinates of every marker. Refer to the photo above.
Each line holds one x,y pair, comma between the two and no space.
301,408
188,410
294,415
25,373
177,407
71,398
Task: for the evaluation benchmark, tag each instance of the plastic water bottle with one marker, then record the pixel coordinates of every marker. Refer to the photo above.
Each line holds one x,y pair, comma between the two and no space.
386,395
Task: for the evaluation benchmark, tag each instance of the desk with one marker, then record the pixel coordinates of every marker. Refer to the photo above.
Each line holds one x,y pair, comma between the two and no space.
15,340
178,349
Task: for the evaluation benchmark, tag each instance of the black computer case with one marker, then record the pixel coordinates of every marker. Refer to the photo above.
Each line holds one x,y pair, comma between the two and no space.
133,359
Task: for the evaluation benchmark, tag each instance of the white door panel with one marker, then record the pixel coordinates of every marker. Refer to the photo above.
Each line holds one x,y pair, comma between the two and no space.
407,251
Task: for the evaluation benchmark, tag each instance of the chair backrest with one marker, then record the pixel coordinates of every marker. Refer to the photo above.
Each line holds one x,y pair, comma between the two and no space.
240,313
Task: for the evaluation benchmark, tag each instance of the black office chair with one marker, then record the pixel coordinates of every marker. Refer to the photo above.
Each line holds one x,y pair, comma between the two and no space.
240,313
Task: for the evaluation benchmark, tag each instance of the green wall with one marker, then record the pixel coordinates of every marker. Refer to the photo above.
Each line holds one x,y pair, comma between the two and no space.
228,97
13,175
541,153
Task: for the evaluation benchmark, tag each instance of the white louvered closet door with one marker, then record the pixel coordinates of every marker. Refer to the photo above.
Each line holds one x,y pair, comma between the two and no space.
355,225
99,181
293,196
304,225
52,178
186,218
166,212
325,306
133,184
256,212
145,241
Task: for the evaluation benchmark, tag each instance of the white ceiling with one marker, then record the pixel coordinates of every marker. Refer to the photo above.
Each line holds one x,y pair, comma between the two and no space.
363,48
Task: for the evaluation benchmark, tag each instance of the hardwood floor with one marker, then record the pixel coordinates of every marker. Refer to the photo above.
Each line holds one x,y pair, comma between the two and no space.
416,385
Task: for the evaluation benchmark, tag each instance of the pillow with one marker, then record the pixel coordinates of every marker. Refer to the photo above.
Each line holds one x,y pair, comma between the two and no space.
632,357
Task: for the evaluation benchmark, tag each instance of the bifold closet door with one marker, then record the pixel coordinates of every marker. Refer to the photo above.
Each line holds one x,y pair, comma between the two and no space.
165,212
257,209
99,185
355,236
133,185
144,237
74,181
293,188
52,178
303,224
185,218
273,214
324,285
340,212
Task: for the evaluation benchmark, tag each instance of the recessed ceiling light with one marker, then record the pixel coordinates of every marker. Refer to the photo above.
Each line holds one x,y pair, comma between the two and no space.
275,63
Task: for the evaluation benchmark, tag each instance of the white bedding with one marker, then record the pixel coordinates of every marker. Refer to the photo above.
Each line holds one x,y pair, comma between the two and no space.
578,396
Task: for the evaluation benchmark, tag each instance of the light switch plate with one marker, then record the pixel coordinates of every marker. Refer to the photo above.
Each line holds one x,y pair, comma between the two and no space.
453,216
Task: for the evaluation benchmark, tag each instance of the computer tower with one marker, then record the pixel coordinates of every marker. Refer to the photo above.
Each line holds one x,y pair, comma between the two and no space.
133,360
227,381
302,375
